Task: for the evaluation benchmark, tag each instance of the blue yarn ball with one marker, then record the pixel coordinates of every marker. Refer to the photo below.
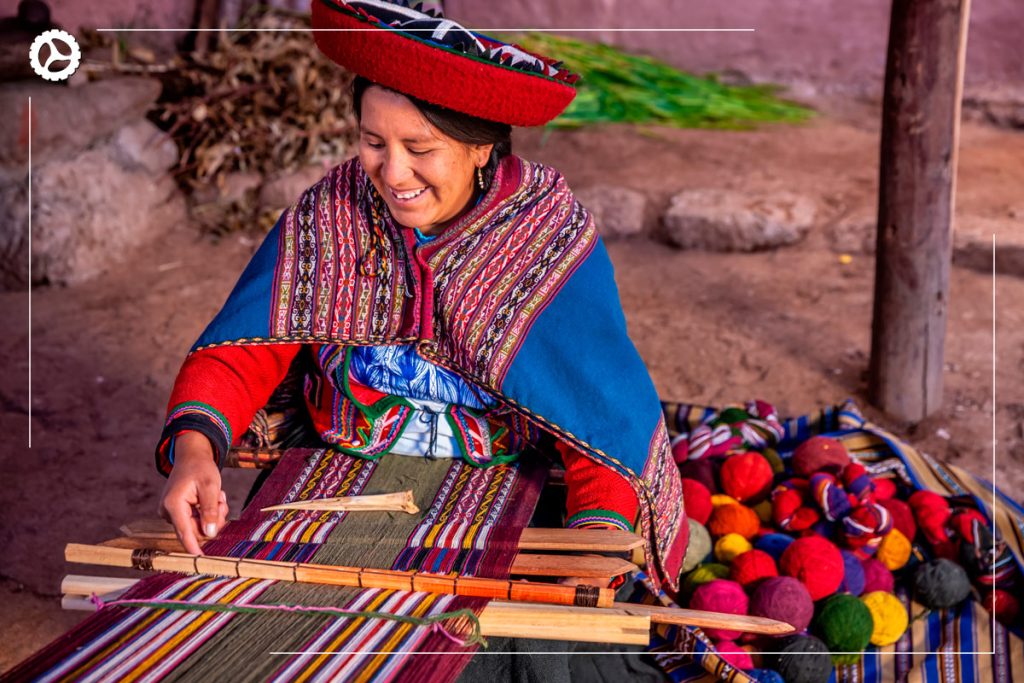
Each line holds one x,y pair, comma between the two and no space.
853,574
765,675
774,544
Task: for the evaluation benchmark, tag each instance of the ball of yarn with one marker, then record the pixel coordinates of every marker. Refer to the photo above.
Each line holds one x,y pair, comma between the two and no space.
696,500
857,482
902,516
724,596
705,573
699,546
785,599
704,470
877,576
816,562
853,573
730,651
819,454
720,499
789,509
931,512
845,625
681,448
885,488
830,496
763,510
1003,605
766,676
941,584
746,476
866,525
888,615
894,550
803,659
773,544
728,547
734,519
752,566
772,456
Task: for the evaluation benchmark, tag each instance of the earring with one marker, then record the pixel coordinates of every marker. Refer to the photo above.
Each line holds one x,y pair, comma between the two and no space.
480,177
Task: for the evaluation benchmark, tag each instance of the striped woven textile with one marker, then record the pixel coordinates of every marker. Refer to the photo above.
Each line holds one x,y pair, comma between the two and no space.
470,522
962,645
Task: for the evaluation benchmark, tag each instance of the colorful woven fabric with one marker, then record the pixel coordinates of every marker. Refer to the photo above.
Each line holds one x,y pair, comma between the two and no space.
496,298
470,524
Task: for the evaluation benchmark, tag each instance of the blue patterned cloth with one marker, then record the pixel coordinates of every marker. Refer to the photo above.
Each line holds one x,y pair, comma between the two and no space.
400,371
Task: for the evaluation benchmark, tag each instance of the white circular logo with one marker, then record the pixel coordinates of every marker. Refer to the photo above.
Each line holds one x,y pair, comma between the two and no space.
72,54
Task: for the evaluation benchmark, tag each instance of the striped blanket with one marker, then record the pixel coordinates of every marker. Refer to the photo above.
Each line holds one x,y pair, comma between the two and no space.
961,645
470,523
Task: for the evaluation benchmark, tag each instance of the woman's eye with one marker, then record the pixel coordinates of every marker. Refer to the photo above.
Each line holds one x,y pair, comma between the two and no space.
420,152
374,145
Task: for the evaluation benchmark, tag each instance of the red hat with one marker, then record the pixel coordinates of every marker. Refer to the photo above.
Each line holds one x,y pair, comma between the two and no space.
422,54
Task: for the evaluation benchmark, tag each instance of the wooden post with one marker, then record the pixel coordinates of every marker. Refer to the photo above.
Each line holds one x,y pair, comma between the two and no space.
920,134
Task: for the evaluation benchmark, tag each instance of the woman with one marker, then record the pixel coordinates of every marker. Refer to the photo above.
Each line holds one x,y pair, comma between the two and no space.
454,299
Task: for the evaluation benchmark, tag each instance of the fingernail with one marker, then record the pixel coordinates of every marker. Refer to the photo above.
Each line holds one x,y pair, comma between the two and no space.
210,529
223,497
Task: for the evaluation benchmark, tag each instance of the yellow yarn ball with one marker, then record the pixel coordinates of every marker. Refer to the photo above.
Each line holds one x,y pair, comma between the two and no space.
764,512
894,550
889,616
718,499
730,546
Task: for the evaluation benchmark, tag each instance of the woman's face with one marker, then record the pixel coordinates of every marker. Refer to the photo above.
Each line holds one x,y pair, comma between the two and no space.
425,177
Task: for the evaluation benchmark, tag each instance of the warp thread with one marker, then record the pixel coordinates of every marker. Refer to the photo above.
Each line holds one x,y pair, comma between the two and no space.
434,622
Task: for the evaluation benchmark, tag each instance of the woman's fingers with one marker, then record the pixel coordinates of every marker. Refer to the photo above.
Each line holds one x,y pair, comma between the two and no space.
210,515
180,511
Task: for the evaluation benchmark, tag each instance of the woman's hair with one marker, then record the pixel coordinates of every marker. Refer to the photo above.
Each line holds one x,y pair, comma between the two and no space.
469,130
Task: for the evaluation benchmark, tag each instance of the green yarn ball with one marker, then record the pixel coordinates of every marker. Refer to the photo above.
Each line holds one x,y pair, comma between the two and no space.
845,625
699,546
705,573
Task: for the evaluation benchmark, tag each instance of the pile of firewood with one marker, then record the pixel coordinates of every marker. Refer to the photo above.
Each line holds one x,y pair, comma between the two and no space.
256,102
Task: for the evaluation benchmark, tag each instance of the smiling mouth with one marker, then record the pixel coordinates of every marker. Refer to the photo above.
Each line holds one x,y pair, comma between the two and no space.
408,195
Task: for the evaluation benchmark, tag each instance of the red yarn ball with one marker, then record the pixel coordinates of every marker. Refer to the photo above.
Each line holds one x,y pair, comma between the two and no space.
877,576
704,470
885,488
931,512
816,562
902,517
1003,605
751,567
747,476
785,599
696,500
734,519
819,454
720,595
730,651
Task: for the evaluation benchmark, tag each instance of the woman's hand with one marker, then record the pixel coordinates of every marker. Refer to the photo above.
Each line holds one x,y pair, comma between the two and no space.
192,499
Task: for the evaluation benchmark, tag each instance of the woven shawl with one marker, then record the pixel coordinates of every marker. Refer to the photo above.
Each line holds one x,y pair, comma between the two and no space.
517,297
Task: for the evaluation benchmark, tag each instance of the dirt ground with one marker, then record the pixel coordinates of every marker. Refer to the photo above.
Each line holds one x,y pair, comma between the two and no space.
790,326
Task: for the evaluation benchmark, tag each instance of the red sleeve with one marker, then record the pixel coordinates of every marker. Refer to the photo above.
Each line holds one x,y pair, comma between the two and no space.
218,391
597,495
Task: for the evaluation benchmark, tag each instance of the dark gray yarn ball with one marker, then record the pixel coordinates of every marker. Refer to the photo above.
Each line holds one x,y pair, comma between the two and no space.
941,584
804,659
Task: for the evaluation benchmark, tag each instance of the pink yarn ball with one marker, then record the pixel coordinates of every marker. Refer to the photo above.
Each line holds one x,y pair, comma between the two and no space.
785,599
730,651
877,576
720,595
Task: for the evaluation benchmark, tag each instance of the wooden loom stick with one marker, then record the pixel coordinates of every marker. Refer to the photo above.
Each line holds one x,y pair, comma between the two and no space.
399,501
507,619
582,540
149,559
